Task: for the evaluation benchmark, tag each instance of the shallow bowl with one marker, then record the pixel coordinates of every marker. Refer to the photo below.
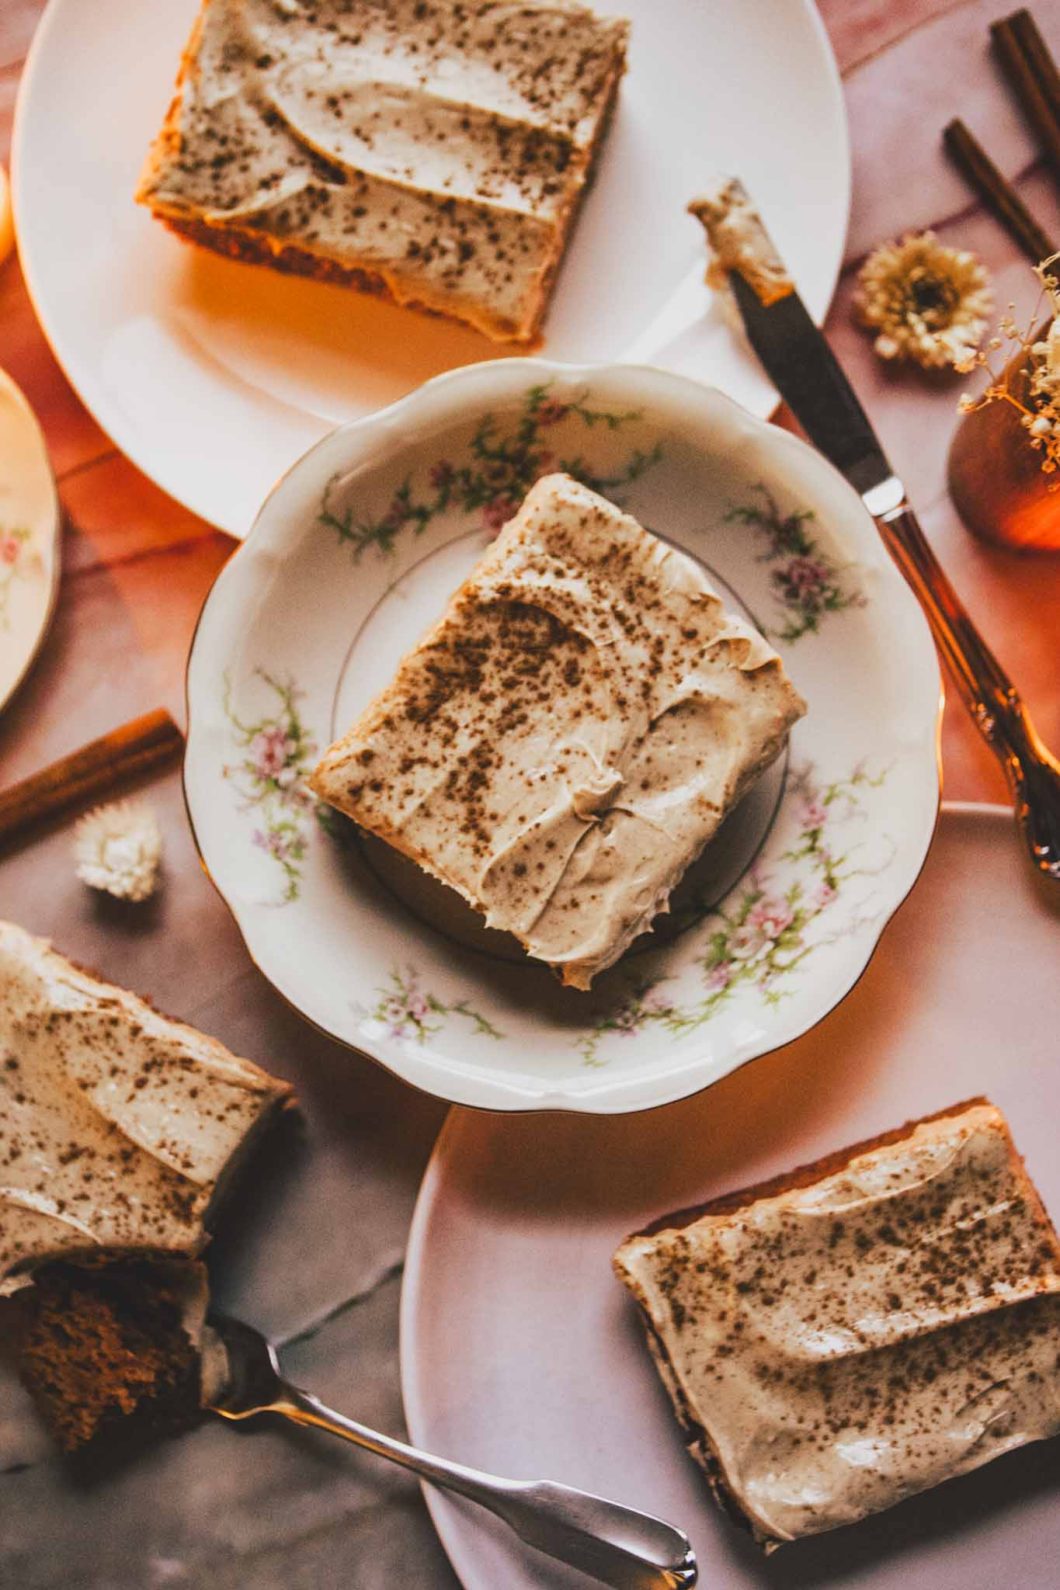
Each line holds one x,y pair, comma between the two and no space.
354,554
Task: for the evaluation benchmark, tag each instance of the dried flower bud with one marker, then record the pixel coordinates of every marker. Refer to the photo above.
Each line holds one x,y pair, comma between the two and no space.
1036,397
118,849
926,302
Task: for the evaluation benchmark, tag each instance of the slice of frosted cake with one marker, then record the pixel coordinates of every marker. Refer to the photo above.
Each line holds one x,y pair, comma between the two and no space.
431,151
119,1129
567,738
864,1328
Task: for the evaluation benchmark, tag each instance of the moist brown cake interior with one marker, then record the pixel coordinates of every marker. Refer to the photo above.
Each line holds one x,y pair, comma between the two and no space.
104,1350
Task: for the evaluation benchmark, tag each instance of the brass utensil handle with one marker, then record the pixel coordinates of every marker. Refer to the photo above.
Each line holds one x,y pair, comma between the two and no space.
987,691
616,1545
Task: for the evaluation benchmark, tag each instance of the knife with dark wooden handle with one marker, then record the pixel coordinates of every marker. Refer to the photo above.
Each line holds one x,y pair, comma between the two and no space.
798,359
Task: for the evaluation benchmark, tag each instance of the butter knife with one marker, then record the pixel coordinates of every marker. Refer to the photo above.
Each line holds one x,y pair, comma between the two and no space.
799,361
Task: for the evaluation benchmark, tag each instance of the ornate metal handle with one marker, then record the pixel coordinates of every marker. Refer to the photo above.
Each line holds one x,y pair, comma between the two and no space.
617,1545
987,691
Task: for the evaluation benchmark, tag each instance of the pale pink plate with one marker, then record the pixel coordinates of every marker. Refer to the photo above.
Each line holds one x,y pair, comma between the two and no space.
520,1352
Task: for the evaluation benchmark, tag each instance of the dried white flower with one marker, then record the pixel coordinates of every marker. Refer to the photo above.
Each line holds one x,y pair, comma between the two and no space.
118,848
926,302
1031,381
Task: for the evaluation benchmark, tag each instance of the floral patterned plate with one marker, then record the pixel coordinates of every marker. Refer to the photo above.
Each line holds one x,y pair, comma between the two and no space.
355,553
29,538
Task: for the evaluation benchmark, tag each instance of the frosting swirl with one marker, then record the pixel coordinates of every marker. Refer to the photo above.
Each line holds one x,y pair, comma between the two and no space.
566,740
116,1123
442,146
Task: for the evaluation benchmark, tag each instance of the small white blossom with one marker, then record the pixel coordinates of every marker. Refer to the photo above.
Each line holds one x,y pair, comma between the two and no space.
1030,383
118,848
1051,349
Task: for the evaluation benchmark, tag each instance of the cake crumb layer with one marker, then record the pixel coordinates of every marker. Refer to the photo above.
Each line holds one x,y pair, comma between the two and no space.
111,1351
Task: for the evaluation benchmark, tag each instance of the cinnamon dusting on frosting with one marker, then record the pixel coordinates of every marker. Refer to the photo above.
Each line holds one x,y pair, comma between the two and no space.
441,144
116,1123
564,742
836,1345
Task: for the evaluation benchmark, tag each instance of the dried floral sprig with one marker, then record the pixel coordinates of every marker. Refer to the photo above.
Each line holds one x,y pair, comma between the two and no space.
925,302
118,848
1037,398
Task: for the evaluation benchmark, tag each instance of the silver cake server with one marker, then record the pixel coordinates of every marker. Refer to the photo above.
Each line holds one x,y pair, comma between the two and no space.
802,366
613,1544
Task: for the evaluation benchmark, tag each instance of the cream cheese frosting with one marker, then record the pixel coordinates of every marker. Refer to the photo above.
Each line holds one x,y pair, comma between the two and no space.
565,741
739,242
116,1123
441,144
856,1337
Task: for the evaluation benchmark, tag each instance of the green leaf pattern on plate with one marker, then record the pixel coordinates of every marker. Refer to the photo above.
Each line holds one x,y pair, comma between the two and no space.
806,581
276,755
406,1010
505,458
768,925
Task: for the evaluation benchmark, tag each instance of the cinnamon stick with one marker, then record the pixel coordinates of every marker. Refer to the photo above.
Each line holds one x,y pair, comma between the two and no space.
1031,71
87,775
1000,198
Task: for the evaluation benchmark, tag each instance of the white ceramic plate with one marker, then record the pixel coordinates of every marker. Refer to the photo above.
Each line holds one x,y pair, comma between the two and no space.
30,524
214,376
521,1353
354,556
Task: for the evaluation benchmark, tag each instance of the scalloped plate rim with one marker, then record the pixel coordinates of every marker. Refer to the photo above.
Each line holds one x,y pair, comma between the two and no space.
440,395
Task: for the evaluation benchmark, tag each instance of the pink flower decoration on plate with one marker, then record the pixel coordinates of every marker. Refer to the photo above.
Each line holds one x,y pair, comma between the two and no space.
814,814
771,917
551,413
269,751
497,513
803,577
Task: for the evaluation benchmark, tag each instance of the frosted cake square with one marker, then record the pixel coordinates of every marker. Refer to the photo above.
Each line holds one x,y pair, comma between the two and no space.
429,151
119,1131
570,734
864,1328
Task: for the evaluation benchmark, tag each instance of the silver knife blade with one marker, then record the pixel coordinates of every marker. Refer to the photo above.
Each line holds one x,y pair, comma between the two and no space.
798,359
808,376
